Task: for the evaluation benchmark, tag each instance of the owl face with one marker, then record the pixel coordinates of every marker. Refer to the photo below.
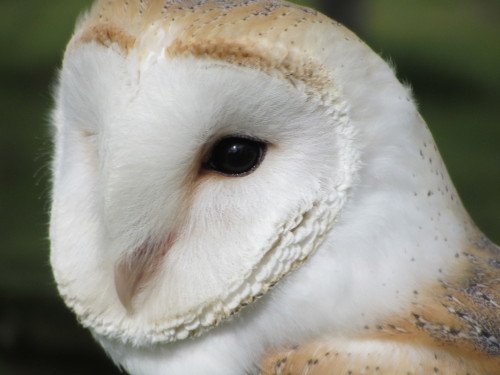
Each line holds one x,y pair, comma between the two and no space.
187,186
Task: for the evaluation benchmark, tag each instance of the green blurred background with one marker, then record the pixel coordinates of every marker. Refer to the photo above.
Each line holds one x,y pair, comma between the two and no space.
448,50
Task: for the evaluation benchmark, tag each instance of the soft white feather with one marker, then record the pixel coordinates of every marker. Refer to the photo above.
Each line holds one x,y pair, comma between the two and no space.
352,196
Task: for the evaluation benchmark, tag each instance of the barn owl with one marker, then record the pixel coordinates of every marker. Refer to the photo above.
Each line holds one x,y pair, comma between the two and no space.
244,187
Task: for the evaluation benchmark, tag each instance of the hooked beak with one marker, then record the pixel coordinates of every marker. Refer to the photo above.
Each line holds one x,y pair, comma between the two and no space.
135,271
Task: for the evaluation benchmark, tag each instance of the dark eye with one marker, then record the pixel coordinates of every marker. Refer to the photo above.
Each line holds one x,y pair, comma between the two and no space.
236,156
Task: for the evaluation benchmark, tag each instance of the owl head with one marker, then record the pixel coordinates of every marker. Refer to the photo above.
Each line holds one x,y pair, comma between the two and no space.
209,153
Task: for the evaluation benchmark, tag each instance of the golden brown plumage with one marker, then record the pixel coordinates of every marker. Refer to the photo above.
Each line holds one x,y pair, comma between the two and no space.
450,327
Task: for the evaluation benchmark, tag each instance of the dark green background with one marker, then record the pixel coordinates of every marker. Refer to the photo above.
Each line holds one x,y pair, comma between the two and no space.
448,50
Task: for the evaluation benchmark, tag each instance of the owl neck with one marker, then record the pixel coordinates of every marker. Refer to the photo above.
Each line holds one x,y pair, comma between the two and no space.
403,228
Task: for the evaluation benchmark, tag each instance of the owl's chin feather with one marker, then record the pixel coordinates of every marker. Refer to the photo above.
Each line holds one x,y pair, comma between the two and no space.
133,273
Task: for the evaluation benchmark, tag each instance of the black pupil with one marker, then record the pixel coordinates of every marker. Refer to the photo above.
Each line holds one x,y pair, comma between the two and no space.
236,155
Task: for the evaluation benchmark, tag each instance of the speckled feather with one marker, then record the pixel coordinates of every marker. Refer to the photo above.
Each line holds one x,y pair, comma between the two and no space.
452,327
267,35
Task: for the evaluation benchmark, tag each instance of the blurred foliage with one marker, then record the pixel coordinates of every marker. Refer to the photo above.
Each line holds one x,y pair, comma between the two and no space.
447,50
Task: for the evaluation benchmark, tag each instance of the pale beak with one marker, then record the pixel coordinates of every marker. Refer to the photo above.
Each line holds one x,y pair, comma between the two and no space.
135,271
